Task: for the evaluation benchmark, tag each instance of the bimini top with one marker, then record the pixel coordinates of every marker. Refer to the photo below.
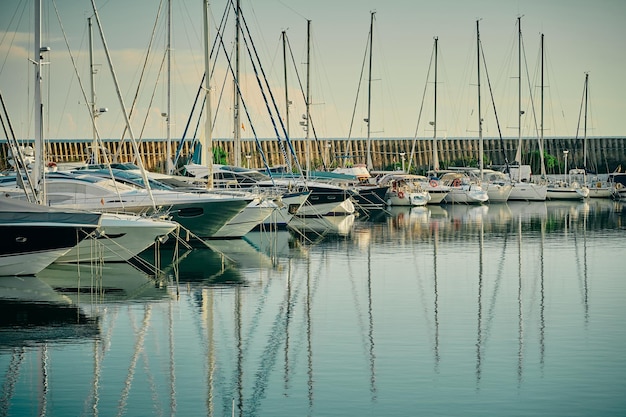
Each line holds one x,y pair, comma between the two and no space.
16,211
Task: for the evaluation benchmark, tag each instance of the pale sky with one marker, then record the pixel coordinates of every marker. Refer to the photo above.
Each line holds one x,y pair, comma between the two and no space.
579,37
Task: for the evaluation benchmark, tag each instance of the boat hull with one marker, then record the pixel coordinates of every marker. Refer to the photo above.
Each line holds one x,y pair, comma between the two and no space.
522,191
121,238
567,193
466,196
250,217
27,250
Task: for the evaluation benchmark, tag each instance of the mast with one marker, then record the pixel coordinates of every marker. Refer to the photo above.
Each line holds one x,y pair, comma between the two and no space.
369,96
308,95
284,35
435,150
480,119
95,151
236,86
585,125
38,170
207,149
543,167
168,117
518,154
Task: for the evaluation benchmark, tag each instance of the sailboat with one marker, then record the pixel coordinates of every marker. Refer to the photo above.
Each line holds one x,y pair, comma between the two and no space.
523,188
563,188
463,188
597,188
371,195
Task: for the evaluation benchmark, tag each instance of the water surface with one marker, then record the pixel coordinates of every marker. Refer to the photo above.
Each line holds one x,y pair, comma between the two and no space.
514,309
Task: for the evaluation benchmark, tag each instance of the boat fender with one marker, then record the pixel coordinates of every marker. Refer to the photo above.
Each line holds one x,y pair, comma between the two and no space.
400,194
434,183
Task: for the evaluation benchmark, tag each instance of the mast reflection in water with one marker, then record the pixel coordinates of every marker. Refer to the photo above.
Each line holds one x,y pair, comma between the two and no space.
507,309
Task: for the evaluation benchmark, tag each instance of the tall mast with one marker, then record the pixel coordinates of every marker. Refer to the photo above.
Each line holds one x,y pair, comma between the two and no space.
480,118
308,95
168,118
518,154
95,151
207,149
585,130
237,98
284,35
435,150
543,167
370,165
38,170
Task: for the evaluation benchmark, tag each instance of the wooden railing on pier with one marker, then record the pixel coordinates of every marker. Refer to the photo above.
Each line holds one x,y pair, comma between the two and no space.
604,154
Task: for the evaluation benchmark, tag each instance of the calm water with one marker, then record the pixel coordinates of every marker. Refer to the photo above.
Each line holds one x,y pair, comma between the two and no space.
513,310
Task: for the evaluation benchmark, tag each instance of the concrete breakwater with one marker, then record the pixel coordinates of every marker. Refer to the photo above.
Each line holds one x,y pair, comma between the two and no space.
604,154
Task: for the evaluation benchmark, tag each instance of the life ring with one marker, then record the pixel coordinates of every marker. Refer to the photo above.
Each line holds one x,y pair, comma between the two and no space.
400,194
618,185
456,182
433,183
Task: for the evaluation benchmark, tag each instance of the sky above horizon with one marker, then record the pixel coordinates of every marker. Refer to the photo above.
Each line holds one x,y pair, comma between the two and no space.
579,37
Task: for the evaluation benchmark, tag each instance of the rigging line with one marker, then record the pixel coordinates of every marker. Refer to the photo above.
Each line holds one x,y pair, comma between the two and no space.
141,77
356,101
14,34
200,90
493,103
245,107
310,119
256,56
82,89
145,120
580,112
122,105
18,156
419,117
295,157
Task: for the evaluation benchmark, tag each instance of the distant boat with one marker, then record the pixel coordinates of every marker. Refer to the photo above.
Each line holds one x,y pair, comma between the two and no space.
405,190
33,236
462,189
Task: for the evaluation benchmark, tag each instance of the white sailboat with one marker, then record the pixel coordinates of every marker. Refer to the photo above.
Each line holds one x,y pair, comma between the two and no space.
523,188
562,188
597,187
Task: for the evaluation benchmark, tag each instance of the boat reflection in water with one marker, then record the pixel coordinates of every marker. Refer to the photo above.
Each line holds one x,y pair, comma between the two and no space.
445,309
33,313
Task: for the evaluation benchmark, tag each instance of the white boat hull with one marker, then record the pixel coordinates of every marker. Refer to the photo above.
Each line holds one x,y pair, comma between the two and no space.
335,225
29,263
437,195
567,193
288,205
527,191
343,207
410,199
499,193
122,237
469,195
252,216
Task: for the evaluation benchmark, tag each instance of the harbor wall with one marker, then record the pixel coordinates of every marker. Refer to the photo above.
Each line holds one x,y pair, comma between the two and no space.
604,154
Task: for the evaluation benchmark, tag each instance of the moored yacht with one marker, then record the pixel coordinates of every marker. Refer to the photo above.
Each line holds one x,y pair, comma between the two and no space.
199,214
33,236
463,190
